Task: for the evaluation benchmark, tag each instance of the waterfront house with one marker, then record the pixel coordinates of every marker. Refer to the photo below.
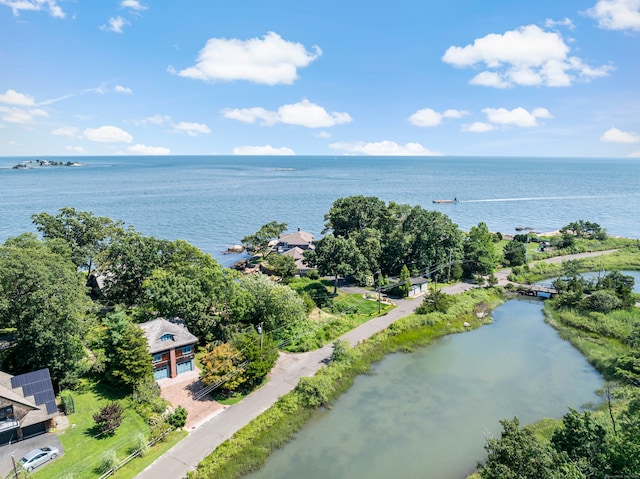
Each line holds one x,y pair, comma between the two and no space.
298,239
297,254
171,346
27,405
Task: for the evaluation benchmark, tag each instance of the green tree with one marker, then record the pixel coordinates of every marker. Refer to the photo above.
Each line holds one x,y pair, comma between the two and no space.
276,307
128,261
194,287
260,352
86,234
282,265
258,242
515,253
44,297
126,351
404,283
519,455
584,441
353,214
480,251
335,256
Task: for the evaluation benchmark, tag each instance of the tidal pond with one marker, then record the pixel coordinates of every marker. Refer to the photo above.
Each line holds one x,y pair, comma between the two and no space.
427,414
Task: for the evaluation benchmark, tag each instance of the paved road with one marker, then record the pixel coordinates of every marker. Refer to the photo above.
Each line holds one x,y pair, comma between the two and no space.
188,453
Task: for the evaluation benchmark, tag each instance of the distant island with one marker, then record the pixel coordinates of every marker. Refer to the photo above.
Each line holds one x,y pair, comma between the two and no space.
25,165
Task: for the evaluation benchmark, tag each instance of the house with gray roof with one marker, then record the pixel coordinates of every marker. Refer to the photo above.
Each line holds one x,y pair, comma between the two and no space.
171,346
27,405
300,239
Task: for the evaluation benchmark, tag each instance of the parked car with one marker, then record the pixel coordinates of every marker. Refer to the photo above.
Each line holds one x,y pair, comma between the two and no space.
37,457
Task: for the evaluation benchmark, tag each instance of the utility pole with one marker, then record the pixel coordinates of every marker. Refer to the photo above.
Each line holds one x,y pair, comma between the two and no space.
379,288
449,268
260,333
15,468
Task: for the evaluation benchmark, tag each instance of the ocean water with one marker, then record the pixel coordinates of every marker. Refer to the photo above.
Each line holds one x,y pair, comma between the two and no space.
214,201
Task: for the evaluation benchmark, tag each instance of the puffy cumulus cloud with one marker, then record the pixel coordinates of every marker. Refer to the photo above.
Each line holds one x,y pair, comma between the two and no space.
263,150
617,14
516,117
70,131
75,149
323,134
191,129
428,117
153,120
122,89
12,97
148,150
21,115
528,56
384,148
613,135
34,5
268,60
133,5
303,113
115,24
478,127
108,134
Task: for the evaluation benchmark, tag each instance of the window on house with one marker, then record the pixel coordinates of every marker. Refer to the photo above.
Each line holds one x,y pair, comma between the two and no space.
187,349
157,358
166,337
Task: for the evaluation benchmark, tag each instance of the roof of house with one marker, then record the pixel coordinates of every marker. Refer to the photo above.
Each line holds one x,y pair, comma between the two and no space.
32,392
296,238
154,331
298,256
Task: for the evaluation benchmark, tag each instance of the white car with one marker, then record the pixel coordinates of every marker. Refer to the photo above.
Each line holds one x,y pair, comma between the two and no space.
37,457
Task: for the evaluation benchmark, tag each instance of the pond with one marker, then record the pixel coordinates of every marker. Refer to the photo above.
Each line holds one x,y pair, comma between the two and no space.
427,414
590,275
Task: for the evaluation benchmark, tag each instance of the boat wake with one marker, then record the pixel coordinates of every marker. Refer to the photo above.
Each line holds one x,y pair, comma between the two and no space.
538,198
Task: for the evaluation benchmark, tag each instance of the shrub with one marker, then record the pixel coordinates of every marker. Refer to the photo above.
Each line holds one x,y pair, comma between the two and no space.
108,461
109,418
178,418
141,444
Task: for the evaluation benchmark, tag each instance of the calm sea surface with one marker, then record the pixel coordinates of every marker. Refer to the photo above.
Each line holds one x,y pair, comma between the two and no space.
213,202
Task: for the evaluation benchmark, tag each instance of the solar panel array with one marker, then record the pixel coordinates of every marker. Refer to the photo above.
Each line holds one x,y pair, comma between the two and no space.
37,384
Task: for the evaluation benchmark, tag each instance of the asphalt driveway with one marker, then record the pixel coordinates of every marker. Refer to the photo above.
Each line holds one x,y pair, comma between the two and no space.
19,449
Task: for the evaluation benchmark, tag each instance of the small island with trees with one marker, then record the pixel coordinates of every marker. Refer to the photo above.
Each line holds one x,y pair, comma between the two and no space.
31,164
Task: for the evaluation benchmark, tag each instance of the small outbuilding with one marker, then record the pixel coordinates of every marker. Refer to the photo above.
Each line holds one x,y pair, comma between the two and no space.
171,346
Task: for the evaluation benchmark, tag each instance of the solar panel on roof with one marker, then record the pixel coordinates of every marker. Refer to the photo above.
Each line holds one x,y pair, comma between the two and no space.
37,384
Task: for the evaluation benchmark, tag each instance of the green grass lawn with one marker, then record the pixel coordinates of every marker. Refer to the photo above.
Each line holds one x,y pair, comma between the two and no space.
83,451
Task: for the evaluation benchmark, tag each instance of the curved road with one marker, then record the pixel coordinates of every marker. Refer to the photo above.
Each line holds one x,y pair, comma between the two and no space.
187,454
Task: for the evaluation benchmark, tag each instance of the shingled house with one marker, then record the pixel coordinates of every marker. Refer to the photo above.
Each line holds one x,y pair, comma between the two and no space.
171,346
297,239
27,405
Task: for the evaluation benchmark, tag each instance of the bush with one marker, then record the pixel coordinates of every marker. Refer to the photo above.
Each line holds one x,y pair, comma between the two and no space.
109,418
178,418
108,461
140,444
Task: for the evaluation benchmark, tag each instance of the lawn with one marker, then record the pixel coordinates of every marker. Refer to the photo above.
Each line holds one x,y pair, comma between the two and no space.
82,450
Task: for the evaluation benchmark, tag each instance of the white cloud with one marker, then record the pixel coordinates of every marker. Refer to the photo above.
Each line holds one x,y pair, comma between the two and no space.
148,150
565,22
75,149
323,134
122,89
70,131
263,150
12,97
133,5
384,148
613,135
34,5
116,24
428,117
21,115
269,60
528,56
303,113
516,117
154,120
617,14
108,134
478,127
191,129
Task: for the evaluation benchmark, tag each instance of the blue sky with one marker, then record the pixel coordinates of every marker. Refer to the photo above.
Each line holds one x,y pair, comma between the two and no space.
375,77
